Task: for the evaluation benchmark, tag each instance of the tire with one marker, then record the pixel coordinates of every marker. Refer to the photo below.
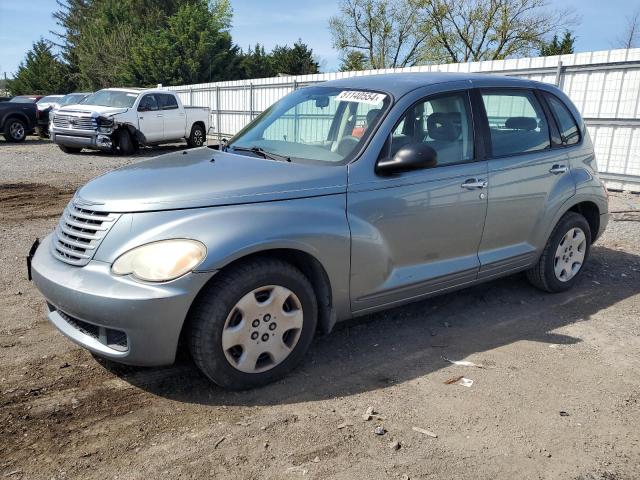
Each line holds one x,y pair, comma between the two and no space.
125,145
15,130
70,150
197,136
573,231
215,317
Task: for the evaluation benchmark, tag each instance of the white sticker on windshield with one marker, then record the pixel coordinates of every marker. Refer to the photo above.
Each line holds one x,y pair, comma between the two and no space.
132,94
371,98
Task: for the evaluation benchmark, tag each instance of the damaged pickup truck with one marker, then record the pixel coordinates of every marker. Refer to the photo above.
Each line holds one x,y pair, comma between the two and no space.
121,120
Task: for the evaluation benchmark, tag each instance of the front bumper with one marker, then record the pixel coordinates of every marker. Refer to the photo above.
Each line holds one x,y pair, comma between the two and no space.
81,139
94,308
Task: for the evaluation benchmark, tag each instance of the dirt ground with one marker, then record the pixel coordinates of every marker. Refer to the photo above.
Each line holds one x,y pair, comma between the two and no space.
558,396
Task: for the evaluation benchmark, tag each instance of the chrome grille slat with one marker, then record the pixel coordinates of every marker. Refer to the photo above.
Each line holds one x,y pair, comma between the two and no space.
75,122
79,233
74,243
81,225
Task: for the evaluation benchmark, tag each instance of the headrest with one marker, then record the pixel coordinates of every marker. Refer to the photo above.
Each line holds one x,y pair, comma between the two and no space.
521,123
444,126
372,114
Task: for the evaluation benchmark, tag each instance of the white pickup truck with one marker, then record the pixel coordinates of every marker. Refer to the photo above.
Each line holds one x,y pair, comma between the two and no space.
123,119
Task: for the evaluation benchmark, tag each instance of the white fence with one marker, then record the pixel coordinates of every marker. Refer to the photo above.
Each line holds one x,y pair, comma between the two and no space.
605,86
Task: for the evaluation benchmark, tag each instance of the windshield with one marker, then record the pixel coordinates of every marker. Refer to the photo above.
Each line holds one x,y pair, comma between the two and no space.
111,98
324,124
72,98
49,99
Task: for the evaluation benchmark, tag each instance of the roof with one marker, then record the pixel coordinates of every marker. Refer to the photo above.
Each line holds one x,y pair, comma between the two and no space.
399,84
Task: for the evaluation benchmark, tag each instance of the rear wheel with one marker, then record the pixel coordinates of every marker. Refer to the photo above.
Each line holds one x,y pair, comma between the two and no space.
253,324
197,136
66,149
15,130
564,256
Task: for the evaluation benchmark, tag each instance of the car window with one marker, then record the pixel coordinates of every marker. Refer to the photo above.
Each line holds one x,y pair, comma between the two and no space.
443,123
516,122
318,124
148,103
167,102
569,130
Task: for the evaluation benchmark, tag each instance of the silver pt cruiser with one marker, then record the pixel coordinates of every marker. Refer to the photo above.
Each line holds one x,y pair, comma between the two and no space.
339,200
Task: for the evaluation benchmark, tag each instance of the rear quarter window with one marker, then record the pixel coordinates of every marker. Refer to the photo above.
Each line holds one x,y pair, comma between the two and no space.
569,131
517,123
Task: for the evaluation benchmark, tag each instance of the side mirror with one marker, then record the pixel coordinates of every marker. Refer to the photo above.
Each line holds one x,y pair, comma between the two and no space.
413,156
143,108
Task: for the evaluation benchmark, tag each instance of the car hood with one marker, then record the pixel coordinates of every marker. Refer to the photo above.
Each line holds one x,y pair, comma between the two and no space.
94,110
204,177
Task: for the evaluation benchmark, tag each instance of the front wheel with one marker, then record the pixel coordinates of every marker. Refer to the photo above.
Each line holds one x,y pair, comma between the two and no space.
15,130
197,136
124,143
564,256
253,324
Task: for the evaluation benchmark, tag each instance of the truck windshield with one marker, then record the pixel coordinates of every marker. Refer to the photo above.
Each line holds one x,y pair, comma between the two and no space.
320,124
111,98
73,98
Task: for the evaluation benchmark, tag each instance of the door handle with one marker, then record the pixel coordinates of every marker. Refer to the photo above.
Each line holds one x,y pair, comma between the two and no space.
474,184
558,169
159,116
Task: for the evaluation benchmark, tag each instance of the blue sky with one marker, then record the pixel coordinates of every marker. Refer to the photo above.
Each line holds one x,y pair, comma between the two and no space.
272,22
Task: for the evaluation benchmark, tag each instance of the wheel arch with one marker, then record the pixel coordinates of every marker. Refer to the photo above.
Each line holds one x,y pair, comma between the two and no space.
307,263
18,115
590,211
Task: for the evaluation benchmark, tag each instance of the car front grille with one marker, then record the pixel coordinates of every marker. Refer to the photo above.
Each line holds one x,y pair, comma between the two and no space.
79,233
74,122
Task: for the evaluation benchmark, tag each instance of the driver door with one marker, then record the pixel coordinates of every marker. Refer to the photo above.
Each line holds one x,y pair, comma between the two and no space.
417,232
150,119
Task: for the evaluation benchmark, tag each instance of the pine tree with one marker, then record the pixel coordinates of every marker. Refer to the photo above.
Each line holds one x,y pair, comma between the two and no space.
41,72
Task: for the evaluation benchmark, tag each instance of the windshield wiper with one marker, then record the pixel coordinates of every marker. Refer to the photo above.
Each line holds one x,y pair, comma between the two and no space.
262,152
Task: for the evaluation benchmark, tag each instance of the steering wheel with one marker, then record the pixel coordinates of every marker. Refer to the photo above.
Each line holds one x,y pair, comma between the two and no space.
346,145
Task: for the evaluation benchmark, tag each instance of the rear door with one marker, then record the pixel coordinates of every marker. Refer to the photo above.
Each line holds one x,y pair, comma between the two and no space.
150,119
418,232
528,179
174,117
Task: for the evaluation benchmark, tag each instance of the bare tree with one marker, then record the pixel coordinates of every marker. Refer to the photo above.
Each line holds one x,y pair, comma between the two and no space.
388,32
630,37
473,30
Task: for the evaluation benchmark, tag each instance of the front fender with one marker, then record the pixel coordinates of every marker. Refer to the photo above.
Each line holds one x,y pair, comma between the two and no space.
316,226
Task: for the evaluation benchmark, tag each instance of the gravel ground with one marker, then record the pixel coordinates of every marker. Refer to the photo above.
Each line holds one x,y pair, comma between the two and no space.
558,395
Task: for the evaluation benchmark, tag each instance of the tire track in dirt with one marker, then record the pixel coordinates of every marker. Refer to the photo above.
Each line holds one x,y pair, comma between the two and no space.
26,201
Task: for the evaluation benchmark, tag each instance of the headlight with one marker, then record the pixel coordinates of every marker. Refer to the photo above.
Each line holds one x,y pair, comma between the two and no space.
160,261
105,124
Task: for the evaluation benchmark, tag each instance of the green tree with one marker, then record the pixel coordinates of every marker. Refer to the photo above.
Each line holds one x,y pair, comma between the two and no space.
354,61
194,47
296,60
256,63
40,73
558,47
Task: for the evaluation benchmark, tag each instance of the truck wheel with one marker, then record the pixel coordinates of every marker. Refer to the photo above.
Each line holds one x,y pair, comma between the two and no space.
252,324
197,136
66,149
15,130
125,145
564,256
